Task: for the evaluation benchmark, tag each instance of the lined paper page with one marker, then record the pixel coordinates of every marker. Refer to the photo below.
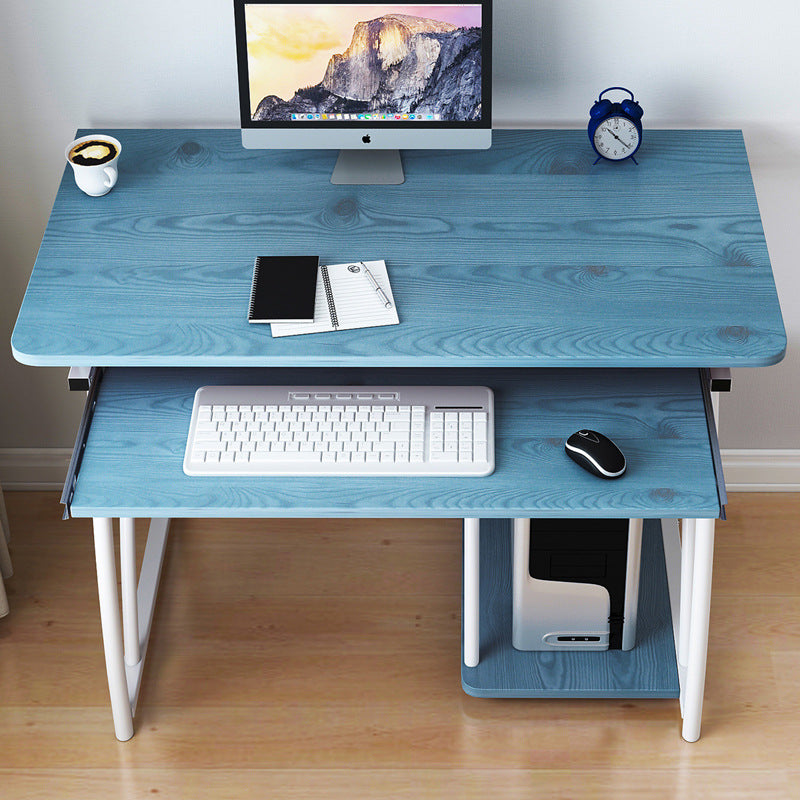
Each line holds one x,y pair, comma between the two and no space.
358,305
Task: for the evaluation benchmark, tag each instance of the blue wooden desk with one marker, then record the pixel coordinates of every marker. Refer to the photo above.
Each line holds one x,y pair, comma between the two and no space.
525,255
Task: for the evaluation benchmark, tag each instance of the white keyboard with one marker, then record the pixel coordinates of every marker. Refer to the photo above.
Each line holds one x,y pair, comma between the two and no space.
341,430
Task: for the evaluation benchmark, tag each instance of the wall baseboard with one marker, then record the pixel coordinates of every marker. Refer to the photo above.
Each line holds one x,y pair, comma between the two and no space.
761,470
26,468
37,468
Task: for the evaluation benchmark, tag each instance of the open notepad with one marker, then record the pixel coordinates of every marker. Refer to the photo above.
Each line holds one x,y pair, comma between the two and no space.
346,299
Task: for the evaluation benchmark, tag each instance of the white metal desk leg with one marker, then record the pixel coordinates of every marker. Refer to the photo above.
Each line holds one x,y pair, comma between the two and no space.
687,567
472,609
698,629
127,568
112,627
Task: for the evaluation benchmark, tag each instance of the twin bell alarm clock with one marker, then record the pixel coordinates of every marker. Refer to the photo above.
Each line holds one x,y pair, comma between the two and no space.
615,129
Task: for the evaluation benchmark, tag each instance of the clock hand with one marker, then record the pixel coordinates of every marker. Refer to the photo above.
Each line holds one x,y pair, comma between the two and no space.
626,145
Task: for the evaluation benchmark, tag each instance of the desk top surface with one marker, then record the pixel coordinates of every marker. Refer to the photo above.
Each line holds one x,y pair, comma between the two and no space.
523,255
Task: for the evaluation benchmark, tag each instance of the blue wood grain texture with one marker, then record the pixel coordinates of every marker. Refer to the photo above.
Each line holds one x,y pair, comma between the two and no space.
133,462
649,670
522,255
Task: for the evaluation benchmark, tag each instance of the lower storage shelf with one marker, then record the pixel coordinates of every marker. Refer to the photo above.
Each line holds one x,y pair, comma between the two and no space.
648,670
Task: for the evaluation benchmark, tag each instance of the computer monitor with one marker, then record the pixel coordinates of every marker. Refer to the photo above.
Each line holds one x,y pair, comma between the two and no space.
366,79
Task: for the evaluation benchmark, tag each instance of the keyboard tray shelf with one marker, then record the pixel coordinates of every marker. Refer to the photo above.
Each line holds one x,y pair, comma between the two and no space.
134,448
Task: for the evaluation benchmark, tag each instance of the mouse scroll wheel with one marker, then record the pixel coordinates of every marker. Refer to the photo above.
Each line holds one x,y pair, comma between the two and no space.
589,435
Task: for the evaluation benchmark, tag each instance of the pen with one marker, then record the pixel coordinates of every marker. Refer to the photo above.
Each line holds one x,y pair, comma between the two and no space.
386,302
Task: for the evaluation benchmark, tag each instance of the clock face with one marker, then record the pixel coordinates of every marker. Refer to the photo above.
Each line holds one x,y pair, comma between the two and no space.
616,138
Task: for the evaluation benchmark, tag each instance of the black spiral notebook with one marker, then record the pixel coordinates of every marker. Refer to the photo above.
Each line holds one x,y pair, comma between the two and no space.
284,289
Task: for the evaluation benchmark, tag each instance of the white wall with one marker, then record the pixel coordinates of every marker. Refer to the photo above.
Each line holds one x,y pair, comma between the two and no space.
84,63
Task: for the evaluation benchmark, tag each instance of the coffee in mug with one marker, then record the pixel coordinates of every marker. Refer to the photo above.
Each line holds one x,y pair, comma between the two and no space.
94,162
93,152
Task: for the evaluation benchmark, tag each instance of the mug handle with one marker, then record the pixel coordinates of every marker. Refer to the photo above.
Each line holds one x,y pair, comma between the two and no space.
112,176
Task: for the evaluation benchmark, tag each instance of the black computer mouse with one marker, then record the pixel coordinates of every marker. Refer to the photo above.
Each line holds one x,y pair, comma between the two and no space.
596,454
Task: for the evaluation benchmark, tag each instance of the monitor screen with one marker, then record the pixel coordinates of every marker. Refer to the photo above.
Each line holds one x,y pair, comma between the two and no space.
329,66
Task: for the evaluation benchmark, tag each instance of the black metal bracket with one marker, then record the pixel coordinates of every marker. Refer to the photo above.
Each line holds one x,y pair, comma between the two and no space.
94,378
706,383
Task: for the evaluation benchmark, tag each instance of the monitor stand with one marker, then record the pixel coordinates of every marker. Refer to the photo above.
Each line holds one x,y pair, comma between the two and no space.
371,167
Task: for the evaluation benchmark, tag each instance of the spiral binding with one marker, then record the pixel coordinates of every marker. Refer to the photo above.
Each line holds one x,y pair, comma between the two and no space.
252,311
326,282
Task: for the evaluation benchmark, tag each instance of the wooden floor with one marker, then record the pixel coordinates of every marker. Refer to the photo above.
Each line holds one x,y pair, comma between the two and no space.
322,661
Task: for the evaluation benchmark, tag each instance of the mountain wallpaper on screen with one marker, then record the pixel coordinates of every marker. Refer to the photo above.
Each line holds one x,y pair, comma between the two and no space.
399,64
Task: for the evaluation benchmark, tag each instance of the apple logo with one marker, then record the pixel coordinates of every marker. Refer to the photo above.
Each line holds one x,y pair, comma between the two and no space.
366,139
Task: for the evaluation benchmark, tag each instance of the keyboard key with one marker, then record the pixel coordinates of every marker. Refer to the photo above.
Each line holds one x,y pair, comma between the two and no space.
262,457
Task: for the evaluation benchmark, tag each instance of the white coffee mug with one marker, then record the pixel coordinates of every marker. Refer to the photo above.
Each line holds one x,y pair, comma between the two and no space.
95,179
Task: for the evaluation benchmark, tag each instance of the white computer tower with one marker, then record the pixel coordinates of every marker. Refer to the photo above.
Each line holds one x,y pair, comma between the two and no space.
576,584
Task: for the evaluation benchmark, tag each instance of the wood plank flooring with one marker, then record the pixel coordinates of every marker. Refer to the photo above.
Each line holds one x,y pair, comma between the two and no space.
320,658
